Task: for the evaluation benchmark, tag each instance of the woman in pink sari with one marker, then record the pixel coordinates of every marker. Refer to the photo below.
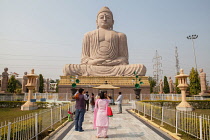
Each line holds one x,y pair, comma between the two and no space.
101,120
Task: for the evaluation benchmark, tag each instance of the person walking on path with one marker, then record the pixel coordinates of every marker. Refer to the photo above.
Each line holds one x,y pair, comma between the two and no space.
101,120
92,102
80,109
119,102
87,101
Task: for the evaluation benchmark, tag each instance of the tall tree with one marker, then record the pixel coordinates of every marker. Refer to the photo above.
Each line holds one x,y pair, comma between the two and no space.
152,84
177,90
12,84
166,86
41,83
194,82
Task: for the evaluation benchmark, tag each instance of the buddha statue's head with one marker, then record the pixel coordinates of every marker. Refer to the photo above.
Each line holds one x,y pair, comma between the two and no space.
105,18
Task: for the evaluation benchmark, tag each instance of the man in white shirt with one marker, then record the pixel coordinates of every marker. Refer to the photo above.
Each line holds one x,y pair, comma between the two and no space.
119,101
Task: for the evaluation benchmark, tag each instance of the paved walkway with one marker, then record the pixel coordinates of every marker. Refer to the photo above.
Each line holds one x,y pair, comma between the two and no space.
122,126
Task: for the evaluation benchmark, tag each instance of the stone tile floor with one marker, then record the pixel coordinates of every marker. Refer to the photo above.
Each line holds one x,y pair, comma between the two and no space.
122,127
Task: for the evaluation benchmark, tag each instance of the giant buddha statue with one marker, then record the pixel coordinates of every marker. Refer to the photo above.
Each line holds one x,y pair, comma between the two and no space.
104,52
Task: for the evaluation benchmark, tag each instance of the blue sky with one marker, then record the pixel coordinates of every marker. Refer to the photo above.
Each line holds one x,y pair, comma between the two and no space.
46,35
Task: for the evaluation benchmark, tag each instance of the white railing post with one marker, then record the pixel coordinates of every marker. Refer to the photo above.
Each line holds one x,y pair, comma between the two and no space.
176,121
162,116
151,112
51,115
69,107
200,121
9,131
144,109
36,126
60,113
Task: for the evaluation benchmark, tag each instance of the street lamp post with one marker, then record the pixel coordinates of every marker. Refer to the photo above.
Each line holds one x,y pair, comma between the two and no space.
192,37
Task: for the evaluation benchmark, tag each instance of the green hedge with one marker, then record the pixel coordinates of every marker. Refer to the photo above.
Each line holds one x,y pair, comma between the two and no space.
197,104
11,104
16,104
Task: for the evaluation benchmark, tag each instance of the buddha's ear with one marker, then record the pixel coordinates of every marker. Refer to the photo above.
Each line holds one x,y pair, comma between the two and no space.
112,24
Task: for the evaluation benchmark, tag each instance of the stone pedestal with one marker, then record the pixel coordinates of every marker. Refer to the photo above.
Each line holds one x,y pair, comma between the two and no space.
184,105
182,79
31,83
88,82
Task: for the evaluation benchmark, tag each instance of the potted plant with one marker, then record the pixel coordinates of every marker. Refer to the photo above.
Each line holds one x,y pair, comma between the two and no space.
137,85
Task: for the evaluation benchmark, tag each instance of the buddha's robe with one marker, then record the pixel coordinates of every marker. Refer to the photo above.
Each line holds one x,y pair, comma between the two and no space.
114,49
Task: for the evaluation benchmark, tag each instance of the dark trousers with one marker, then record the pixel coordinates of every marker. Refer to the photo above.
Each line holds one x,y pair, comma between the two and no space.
87,105
79,118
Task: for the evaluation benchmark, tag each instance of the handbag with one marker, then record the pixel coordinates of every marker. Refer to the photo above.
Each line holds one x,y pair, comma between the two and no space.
109,112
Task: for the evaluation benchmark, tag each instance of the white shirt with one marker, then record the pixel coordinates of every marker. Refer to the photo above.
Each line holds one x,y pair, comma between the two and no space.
119,99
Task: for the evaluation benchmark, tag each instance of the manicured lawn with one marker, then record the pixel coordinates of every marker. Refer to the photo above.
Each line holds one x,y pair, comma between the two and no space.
8,114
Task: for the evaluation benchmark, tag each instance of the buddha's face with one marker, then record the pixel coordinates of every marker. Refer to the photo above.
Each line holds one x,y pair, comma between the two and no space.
105,20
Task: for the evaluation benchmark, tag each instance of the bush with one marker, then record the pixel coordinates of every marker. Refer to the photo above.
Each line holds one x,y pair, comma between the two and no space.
11,104
42,104
16,104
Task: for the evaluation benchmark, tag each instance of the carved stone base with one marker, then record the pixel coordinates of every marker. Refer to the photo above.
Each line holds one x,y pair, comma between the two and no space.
29,106
88,82
184,106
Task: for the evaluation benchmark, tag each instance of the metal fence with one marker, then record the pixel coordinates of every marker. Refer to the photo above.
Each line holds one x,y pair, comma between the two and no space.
170,97
31,125
55,97
12,98
50,97
191,123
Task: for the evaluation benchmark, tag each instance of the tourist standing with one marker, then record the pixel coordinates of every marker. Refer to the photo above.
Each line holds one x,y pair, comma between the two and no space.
87,101
92,102
119,101
80,109
101,120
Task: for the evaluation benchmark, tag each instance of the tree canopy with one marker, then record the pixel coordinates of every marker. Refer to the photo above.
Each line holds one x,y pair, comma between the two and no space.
152,83
194,82
166,85
41,83
12,84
